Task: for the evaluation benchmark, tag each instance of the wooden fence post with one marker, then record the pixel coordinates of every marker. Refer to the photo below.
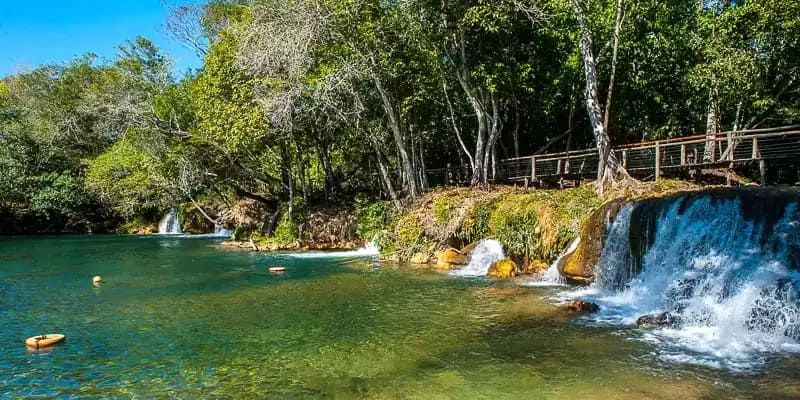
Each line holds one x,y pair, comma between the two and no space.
658,160
625,158
756,151
683,154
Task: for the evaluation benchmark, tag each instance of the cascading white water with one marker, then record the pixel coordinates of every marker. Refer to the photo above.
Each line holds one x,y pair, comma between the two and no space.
486,253
732,282
551,276
368,250
221,231
169,224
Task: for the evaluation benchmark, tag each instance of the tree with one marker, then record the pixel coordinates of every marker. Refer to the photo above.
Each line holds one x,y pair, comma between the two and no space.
609,169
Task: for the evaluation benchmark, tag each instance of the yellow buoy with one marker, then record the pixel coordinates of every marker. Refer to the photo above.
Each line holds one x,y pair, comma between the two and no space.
97,280
42,341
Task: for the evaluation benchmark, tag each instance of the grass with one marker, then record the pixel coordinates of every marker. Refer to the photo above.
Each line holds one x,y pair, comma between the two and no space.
537,224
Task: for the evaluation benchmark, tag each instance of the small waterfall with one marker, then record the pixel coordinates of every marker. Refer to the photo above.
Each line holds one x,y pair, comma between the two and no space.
551,276
169,225
221,231
485,254
727,268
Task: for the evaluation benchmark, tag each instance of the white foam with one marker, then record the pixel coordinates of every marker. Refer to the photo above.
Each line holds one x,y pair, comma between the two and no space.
169,224
369,250
551,276
486,253
725,277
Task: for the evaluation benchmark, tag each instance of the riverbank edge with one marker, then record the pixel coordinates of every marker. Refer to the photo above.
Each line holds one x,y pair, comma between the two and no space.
440,228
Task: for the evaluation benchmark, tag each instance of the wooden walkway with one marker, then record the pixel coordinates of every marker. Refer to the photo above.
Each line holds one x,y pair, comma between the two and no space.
651,160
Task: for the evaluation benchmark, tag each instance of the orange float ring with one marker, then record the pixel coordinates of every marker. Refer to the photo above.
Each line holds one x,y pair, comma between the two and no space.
42,341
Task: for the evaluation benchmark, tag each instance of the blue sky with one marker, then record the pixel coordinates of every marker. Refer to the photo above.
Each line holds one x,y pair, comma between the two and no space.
36,32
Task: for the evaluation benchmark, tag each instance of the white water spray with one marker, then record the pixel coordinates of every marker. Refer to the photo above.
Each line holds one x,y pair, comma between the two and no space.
551,276
169,224
221,231
483,256
369,250
732,282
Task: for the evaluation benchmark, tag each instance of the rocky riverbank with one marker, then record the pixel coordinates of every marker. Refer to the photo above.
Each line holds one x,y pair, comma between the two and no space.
533,226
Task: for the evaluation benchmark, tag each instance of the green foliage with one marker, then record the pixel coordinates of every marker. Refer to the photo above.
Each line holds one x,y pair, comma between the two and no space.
407,237
122,178
266,117
517,223
284,237
475,225
57,193
443,208
286,232
537,224
372,218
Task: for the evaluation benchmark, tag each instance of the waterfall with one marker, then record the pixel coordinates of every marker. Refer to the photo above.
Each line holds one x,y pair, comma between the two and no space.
725,267
221,231
169,224
486,253
551,276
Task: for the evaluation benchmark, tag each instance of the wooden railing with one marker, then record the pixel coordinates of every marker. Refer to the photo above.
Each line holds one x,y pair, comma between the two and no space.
649,160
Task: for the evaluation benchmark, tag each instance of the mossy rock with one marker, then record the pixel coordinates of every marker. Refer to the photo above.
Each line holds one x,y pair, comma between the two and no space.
420,258
467,250
453,257
578,267
503,269
533,266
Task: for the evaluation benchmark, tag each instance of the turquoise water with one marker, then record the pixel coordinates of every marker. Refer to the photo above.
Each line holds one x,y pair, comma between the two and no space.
182,318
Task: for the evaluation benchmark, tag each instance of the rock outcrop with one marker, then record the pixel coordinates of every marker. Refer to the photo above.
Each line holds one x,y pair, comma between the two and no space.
582,306
656,321
450,258
578,266
503,269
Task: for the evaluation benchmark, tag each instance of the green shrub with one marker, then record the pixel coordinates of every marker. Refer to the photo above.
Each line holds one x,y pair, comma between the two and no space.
408,236
286,232
475,225
372,219
443,208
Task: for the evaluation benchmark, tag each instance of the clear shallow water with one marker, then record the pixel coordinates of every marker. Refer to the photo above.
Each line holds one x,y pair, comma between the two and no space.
181,318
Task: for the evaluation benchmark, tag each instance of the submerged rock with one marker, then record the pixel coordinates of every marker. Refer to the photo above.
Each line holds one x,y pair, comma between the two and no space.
655,321
503,269
582,306
420,258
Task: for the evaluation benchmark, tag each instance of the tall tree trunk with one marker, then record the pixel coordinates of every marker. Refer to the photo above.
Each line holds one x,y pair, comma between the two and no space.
712,127
494,134
397,133
384,171
608,168
289,179
481,145
515,130
456,129
324,161
615,50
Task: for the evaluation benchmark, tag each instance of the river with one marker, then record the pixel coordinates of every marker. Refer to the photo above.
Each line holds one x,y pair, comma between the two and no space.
179,317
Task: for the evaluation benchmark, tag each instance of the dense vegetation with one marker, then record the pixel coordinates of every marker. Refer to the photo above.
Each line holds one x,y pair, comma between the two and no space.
303,102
